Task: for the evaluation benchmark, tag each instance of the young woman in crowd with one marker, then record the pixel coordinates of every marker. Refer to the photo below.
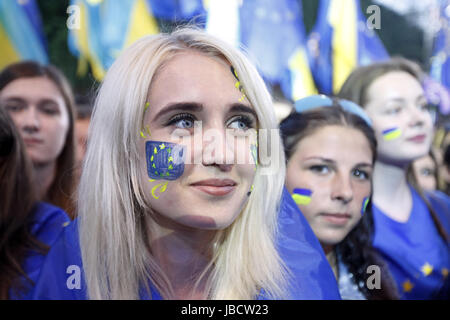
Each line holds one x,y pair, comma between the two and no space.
40,101
330,149
177,198
27,227
411,228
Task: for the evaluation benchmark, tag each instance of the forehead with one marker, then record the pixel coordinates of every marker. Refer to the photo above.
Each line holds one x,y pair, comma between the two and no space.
190,76
35,88
339,143
393,85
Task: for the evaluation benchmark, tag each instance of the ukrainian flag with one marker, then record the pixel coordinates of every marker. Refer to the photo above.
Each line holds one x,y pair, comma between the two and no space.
106,28
302,196
21,36
298,81
339,42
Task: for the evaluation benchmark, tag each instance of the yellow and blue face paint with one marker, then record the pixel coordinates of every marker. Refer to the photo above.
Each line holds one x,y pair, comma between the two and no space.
238,84
165,160
302,196
391,134
364,205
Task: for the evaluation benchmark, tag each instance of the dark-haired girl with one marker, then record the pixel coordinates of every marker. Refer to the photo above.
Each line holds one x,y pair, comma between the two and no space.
330,148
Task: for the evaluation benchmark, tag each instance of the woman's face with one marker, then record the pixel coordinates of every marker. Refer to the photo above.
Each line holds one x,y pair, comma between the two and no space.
329,177
402,123
208,189
425,170
39,112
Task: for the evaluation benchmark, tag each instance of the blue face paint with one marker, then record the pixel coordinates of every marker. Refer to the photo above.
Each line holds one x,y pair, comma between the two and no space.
165,160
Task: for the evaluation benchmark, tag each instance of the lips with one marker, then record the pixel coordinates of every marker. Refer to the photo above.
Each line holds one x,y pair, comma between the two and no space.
417,139
337,218
32,141
215,187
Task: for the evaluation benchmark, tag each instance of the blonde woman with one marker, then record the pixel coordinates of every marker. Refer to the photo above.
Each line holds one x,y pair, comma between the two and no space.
166,207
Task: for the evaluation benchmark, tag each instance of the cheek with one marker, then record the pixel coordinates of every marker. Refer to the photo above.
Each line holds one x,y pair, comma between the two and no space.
362,193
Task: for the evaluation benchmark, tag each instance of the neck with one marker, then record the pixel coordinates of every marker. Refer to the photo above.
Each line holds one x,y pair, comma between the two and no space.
331,257
44,174
183,253
391,192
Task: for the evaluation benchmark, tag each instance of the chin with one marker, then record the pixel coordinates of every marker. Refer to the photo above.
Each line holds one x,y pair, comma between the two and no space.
204,222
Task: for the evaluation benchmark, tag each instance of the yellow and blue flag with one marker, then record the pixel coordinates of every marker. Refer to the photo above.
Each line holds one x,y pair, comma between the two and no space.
106,28
21,33
339,42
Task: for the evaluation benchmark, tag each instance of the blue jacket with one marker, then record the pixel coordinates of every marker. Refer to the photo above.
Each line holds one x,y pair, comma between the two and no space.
62,274
47,224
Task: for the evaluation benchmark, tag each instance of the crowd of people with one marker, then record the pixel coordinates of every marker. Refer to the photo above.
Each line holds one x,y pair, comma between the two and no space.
190,187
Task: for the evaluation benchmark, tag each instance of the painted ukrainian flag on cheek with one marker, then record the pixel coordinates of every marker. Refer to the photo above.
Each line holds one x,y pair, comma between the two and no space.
302,196
391,134
364,205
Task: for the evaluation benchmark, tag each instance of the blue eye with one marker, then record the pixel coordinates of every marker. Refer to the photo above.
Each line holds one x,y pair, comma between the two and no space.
183,121
241,123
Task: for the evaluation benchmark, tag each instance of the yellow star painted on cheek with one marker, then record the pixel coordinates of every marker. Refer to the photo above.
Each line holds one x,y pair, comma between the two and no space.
444,272
426,269
407,286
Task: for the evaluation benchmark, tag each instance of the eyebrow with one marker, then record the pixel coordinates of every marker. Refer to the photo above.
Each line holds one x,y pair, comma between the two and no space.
330,161
402,100
20,99
179,106
239,107
14,99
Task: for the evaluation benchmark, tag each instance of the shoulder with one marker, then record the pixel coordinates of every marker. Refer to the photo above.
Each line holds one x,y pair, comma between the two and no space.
48,222
301,252
61,276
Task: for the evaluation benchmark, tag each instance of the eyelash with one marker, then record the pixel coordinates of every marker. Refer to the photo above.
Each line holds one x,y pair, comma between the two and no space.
248,121
318,168
179,117
367,176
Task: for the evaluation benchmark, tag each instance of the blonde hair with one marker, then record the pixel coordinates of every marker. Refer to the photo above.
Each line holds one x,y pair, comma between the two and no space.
114,219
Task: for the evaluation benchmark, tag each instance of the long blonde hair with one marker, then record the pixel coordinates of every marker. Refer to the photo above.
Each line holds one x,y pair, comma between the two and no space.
114,218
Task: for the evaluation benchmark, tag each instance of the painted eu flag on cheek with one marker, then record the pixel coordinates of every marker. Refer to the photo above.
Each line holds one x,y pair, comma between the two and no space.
165,160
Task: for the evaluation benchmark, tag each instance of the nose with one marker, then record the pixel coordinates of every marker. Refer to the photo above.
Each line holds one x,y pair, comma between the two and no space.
218,149
416,117
342,189
30,120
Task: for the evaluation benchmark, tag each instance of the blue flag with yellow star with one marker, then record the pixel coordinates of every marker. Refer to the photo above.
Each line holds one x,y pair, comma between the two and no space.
417,256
